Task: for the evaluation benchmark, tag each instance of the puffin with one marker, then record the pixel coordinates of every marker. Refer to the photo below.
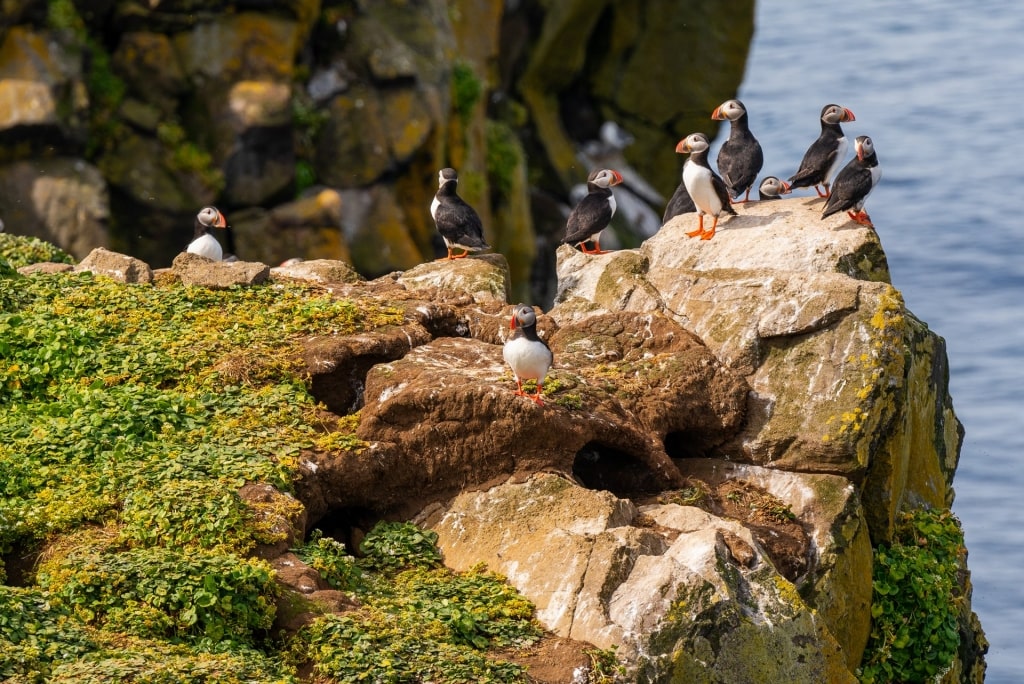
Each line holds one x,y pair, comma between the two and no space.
707,189
741,157
204,244
773,188
679,203
854,183
527,354
457,222
594,212
825,155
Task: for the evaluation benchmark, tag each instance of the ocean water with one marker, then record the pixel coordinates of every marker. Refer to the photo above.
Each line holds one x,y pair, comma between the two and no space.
938,86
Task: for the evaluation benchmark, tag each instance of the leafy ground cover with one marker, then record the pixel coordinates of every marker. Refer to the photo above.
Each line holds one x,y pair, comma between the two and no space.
130,416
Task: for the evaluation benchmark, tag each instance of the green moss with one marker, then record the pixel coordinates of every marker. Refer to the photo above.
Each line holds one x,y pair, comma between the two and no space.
185,156
467,88
504,158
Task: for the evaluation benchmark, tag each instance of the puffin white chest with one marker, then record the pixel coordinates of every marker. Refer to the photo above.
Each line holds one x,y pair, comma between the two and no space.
842,145
433,207
207,246
697,180
529,360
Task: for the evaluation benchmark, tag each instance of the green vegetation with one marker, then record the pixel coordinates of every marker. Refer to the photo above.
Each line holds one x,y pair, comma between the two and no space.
132,415
914,634
467,89
504,158
20,251
181,154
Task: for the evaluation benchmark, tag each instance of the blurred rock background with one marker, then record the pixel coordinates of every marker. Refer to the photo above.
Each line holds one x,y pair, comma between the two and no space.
318,127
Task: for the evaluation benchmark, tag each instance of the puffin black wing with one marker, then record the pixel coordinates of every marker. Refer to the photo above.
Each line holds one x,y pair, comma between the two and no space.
679,203
589,217
459,224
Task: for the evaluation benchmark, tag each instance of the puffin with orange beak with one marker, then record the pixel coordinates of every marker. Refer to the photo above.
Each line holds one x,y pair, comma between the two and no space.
854,183
741,157
825,155
528,356
204,244
772,188
457,222
594,212
707,189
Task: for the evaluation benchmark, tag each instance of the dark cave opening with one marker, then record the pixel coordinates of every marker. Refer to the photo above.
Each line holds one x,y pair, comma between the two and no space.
19,565
341,390
684,444
597,466
348,525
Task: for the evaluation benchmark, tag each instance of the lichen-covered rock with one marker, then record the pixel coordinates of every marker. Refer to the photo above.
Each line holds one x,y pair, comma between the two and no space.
318,271
37,77
670,595
484,277
121,267
802,308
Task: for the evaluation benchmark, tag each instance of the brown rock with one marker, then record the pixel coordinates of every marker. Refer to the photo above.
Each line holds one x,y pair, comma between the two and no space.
45,267
121,267
193,269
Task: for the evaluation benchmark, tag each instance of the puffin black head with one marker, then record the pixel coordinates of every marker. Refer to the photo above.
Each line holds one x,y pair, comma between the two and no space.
604,178
833,114
695,142
209,217
730,110
773,187
864,147
447,175
522,316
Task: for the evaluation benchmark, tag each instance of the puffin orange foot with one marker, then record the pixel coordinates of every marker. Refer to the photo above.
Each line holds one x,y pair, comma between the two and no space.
820,193
537,399
695,233
863,219
708,235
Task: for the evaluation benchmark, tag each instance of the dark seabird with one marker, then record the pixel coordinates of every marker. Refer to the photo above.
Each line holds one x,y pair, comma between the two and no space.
203,242
854,183
825,155
594,212
773,188
527,354
457,222
704,185
741,158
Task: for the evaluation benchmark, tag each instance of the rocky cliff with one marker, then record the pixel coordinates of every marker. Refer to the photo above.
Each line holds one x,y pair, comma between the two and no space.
735,435
319,126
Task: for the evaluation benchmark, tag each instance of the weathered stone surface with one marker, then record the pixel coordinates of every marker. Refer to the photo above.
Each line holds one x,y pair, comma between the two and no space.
657,594
377,232
802,308
193,269
36,82
483,276
318,271
121,267
61,200
45,267
149,64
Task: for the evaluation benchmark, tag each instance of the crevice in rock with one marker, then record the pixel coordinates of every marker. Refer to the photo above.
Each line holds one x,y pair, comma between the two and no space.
347,525
20,565
597,466
341,390
683,444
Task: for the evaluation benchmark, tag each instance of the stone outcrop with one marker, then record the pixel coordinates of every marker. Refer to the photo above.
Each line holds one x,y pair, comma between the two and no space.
193,269
120,267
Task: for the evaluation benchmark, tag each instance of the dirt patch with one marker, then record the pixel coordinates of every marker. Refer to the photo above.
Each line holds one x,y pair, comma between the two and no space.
553,660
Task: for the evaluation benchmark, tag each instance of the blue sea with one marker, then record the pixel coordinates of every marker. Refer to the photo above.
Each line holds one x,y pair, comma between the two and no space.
939,87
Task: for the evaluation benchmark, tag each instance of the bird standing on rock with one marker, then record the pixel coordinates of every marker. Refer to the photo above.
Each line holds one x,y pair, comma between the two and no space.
203,243
772,188
825,155
741,157
854,183
527,354
705,186
457,222
594,212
